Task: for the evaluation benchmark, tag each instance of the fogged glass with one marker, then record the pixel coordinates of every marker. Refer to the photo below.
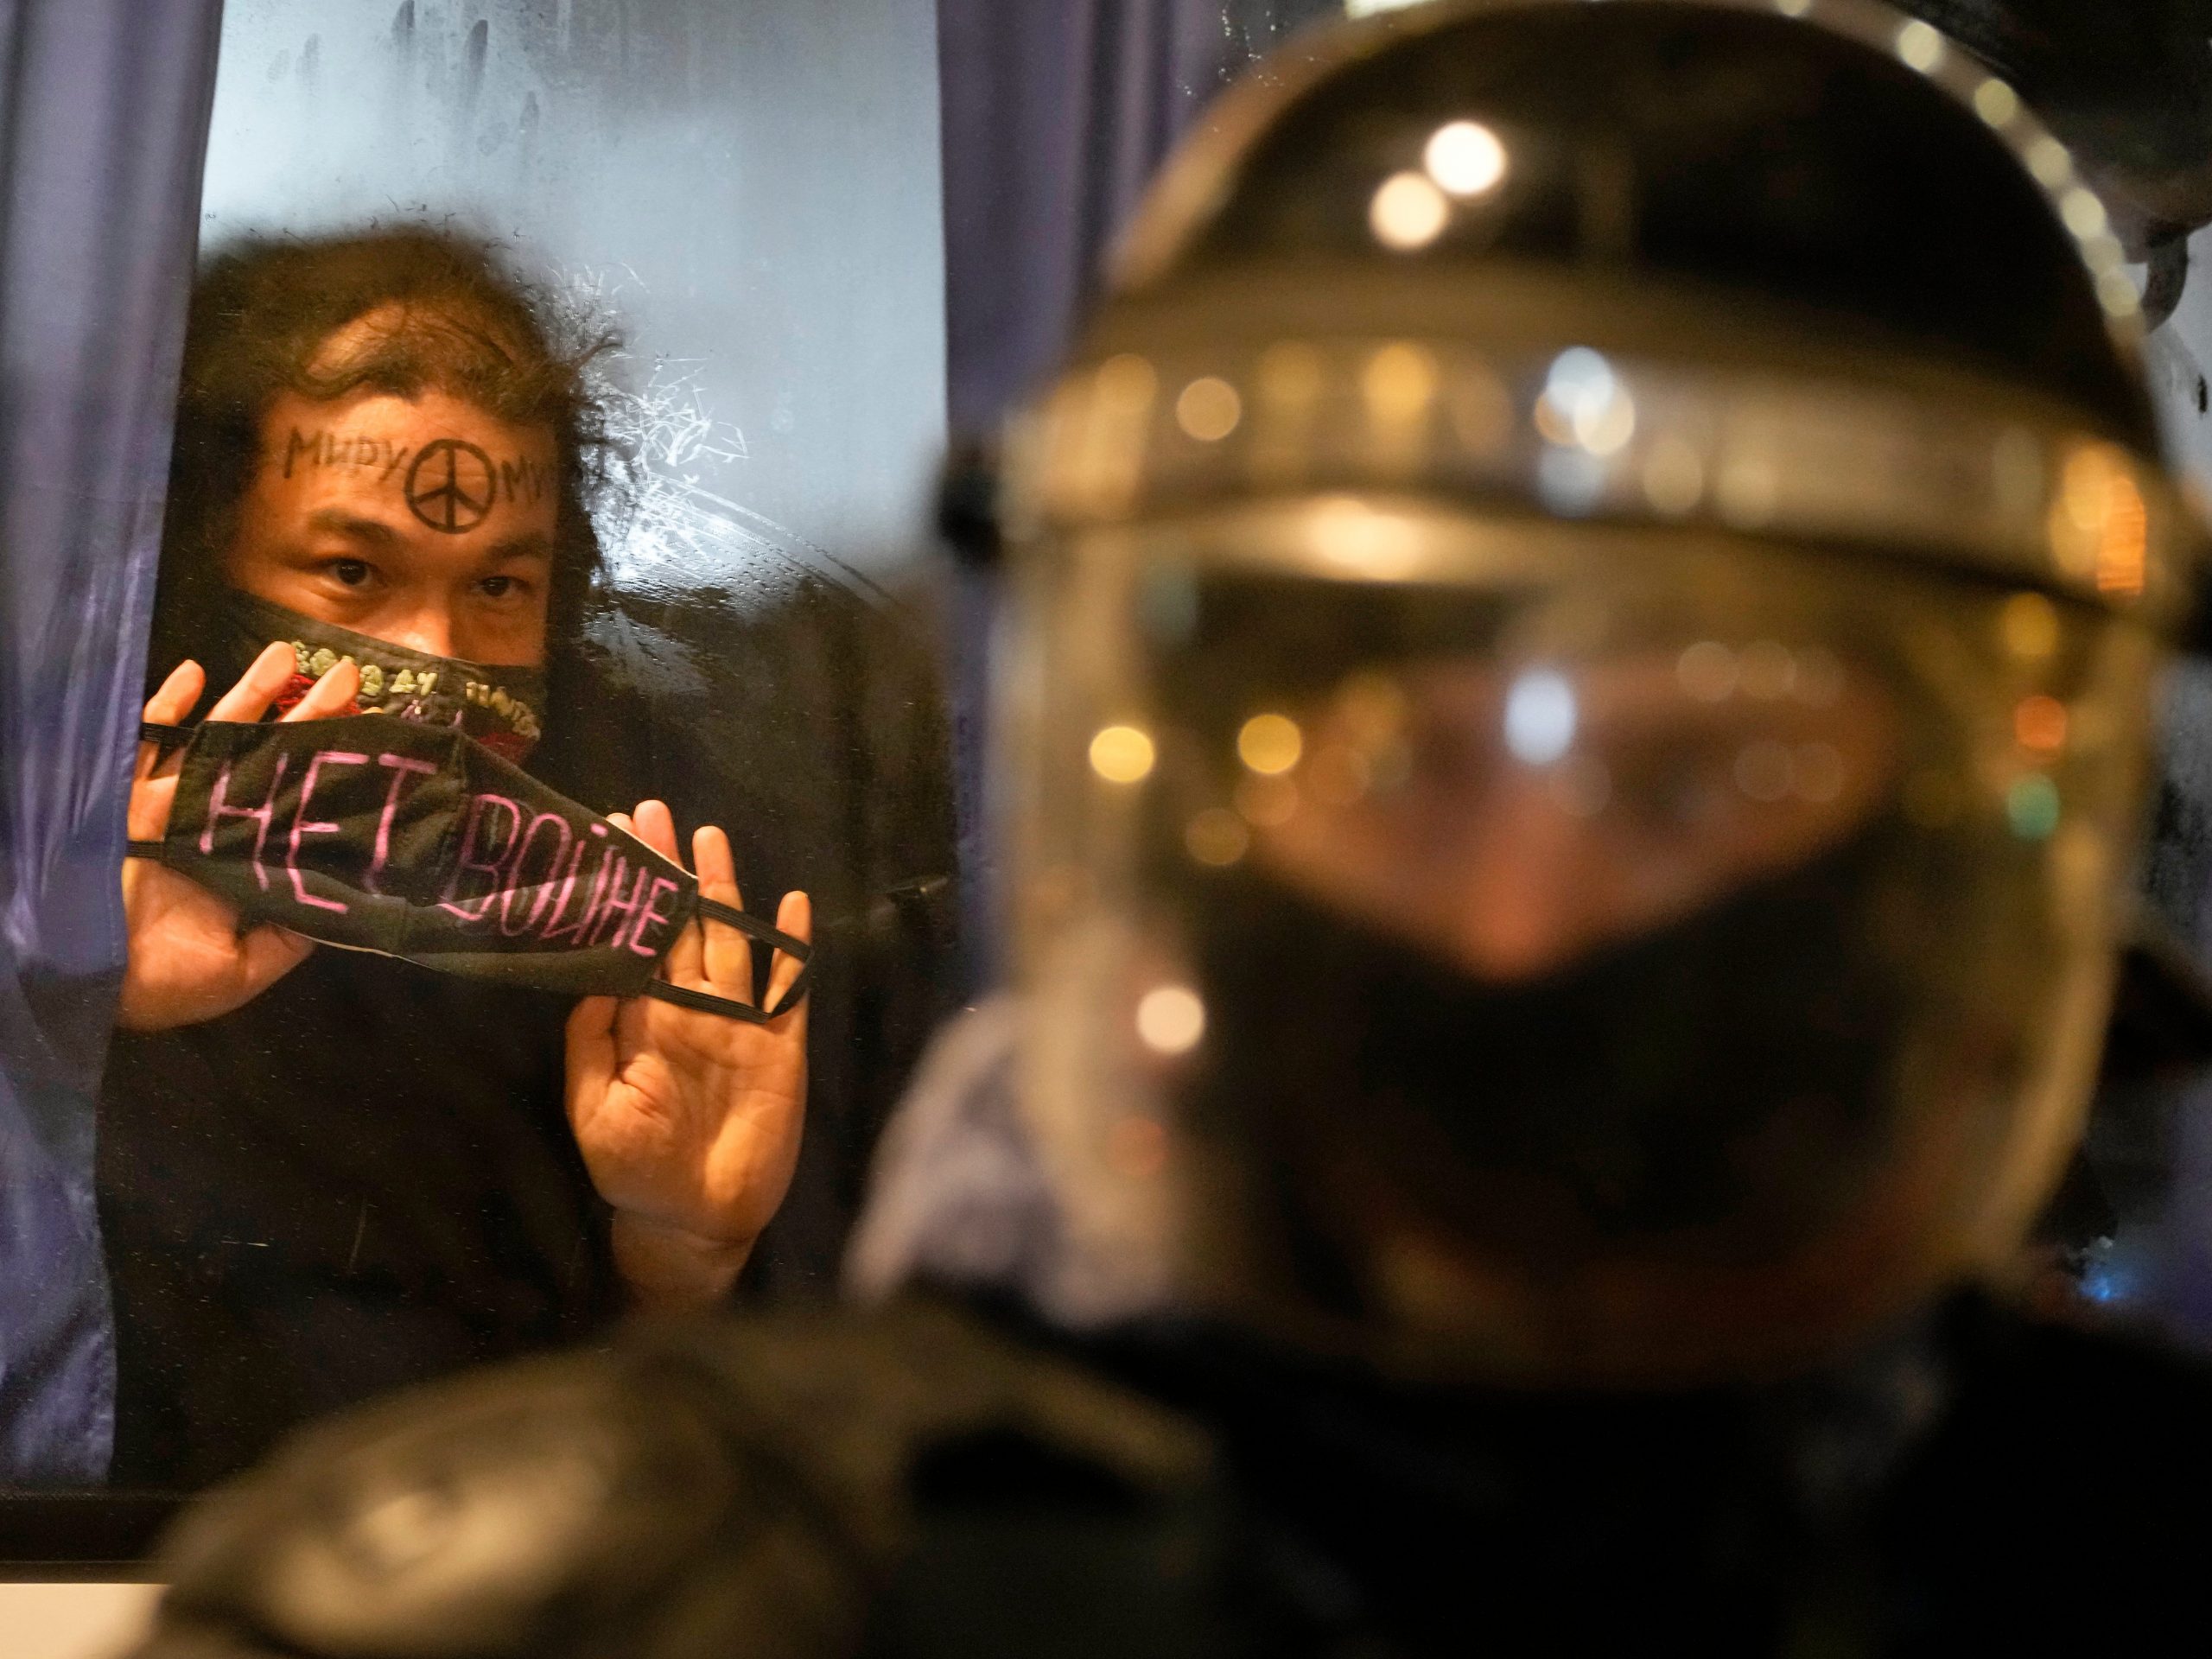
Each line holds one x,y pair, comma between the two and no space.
654,562
1612,945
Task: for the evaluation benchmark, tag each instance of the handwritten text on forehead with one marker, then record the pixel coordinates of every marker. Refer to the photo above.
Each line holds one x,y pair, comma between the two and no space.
477,478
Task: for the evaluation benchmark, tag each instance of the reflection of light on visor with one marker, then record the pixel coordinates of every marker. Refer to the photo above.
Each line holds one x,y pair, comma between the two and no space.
1539,717
1171,1018
1122,754
1269,744
1465,158
1584,404
1408,212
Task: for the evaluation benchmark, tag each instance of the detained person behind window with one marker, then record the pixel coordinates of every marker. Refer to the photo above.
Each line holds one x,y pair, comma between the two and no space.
325,1173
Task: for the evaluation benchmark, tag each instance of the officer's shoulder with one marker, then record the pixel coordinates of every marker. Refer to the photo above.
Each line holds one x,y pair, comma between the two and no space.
2059,1492
781,1483
2109,1407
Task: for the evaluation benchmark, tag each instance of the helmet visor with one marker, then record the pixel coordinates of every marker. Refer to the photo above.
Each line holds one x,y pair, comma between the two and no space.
1615,956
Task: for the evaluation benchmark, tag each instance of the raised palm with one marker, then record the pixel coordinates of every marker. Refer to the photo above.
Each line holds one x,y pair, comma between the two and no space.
689,1122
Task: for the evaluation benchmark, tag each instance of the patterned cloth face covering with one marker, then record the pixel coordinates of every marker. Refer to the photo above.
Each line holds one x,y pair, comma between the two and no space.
497,705
377,833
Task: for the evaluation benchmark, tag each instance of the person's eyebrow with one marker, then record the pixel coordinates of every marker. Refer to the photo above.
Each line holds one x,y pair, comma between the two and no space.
337,520
531,544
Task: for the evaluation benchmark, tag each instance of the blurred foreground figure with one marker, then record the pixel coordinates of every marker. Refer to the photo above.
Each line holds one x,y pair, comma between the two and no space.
1584,627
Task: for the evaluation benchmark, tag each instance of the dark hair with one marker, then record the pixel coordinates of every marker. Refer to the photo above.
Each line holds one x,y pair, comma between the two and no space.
450,316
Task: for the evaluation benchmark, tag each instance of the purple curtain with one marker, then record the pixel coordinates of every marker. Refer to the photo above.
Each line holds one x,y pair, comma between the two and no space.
103,124
1055,115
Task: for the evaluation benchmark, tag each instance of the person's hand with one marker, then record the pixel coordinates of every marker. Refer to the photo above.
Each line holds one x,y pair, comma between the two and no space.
189,959
689,1122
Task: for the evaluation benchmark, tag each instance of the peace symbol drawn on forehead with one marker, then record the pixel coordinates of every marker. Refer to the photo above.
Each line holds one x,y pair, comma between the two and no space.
451,486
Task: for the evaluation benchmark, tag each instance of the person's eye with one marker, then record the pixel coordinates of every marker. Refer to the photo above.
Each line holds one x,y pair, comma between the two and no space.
503,588
348,573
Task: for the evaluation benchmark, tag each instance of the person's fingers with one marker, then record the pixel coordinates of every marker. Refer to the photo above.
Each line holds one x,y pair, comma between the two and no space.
632,1019
146,812
655,825
258,687
153,790
590,1054
795,916
728,952
168,706
269,952
339,684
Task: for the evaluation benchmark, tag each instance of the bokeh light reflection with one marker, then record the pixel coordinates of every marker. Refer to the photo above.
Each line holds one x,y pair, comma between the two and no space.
1465,158
1408,212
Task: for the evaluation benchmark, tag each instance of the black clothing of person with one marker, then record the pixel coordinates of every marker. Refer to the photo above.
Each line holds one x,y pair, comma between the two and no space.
918,1483
365,1177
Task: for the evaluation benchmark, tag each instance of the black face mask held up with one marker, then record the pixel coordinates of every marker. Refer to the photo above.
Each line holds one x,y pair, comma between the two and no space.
376,833
500,707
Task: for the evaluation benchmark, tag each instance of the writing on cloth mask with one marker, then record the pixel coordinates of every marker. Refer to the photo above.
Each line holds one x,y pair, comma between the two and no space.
376,833
501,707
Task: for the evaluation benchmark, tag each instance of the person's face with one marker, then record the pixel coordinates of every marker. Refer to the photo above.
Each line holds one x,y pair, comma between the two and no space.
1510,820
424,522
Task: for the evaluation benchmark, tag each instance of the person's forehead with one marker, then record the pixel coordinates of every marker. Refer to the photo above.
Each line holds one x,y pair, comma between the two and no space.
430,418
432,463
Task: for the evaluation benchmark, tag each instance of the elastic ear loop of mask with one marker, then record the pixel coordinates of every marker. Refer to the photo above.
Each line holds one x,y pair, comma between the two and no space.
170,737
753,928
163,738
